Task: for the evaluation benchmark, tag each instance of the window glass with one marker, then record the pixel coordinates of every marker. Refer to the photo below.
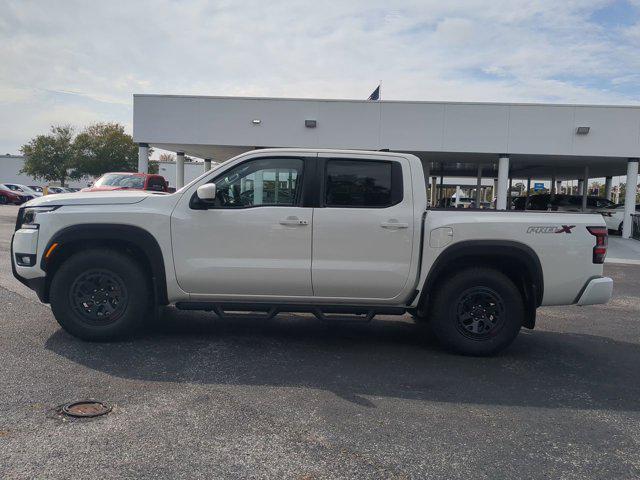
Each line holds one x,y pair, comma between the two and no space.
539,202
120,180
358,183
155,183
268,181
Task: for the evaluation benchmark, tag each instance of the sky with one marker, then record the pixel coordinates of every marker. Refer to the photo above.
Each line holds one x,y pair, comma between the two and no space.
80,61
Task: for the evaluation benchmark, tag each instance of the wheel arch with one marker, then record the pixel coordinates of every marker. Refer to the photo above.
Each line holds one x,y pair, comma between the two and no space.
516,260
137,241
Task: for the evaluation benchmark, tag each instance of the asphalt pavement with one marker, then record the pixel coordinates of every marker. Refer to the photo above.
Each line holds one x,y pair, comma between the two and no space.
199,397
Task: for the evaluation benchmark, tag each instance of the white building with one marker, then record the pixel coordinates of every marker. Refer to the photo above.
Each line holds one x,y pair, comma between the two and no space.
10,166
495,140
192,170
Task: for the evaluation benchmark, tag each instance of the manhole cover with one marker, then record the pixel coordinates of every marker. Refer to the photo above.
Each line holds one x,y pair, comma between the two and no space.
86,408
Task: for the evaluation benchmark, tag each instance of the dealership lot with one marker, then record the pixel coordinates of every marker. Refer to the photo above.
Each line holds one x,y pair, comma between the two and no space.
296,398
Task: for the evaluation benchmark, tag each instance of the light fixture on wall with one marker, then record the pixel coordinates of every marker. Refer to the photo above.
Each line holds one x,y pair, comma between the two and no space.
582,130
256,121
310,123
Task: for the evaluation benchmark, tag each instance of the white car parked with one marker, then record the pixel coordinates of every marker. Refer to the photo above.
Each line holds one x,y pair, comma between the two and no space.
322,231
614,217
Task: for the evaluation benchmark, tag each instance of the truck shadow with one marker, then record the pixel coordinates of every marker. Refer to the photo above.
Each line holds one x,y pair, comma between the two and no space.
386,358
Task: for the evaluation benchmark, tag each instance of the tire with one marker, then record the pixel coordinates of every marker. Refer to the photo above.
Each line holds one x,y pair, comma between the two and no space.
419,317
3,200
620,228
101,295
478,312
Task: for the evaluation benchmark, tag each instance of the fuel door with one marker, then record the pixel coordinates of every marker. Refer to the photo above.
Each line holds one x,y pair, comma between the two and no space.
440,237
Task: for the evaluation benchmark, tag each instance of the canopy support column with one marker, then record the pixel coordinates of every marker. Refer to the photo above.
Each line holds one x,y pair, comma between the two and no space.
607,187
585,188
434,191
479,187
630,196
503,182
143,158
179,170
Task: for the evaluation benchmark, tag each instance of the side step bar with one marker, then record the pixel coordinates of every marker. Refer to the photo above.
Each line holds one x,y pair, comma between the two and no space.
325,313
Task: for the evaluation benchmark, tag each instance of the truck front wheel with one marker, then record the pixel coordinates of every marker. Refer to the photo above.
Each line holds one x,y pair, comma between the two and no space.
478,311
100,295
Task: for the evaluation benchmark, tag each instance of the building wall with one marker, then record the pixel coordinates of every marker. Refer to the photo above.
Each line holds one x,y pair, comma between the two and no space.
192,170
10,166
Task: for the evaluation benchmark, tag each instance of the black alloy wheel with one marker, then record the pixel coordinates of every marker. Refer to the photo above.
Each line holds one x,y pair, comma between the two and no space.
479,313
98,296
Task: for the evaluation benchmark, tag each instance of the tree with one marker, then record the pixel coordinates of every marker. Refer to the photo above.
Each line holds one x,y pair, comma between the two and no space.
595,188
622,192
51,157
167,157
154,167
170,157
105,147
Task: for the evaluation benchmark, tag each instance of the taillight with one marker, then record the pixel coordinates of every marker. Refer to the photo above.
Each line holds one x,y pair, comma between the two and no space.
602,240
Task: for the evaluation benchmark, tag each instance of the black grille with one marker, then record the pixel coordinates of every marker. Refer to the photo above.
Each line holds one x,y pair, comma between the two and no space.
20,218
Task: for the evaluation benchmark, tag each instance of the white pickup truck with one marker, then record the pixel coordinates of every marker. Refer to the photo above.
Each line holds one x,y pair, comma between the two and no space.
340,234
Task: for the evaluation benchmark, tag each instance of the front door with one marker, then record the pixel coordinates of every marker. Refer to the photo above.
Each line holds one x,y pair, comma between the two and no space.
255,240
363,231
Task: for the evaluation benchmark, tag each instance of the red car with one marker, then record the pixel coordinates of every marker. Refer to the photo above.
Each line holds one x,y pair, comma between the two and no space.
9,196
128,181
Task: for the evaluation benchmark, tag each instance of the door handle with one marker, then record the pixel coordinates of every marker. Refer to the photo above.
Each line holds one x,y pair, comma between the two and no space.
391,224
293,221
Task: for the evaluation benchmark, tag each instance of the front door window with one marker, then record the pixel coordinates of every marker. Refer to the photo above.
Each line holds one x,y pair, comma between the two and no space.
265,182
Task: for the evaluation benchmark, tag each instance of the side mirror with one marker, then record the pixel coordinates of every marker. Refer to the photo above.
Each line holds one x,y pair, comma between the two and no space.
207,192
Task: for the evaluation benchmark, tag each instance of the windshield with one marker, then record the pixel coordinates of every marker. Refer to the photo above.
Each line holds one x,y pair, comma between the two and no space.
26,189
120,180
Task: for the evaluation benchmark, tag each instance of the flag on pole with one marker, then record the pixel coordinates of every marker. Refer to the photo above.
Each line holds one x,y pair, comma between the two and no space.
375,95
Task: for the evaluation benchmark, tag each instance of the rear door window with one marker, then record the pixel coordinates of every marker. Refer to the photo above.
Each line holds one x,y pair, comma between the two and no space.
362,183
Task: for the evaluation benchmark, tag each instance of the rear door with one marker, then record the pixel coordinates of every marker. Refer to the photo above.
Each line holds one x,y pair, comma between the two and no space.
363,229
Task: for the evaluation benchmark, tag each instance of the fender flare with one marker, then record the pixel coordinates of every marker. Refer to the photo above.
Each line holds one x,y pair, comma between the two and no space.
109,233
505,249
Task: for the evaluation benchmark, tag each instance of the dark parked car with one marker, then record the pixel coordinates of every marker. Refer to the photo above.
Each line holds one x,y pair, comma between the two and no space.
561,203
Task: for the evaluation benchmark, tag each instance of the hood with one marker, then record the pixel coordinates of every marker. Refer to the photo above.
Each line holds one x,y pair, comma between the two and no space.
117,197
106,188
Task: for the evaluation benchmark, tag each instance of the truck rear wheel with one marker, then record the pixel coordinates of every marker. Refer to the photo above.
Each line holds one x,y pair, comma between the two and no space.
100,295
478,311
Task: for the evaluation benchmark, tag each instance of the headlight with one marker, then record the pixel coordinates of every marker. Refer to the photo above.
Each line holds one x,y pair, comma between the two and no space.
27,216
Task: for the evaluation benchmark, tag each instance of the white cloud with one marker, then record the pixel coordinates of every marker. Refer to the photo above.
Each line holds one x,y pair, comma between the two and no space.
504,50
